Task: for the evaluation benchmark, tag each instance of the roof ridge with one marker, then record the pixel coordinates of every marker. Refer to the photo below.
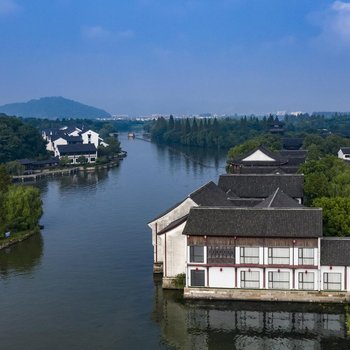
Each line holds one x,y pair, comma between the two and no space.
200,189
273,197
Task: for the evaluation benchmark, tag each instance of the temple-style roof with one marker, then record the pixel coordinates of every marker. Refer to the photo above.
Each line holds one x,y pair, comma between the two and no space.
335,251
260,156
279,199
262,185
254,222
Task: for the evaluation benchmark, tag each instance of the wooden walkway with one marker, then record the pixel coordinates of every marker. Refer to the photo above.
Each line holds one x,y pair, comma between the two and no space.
34,177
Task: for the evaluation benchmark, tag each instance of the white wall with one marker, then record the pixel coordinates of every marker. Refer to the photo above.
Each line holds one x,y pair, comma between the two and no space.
221,277
94,137
175,252
181,210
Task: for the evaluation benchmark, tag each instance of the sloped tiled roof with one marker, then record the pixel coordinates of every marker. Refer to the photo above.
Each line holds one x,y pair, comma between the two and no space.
279,199
262,185
254,222
278,159
210,194
76,148
335,251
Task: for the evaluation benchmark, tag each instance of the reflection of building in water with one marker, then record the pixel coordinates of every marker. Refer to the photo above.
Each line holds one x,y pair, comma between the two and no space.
250,325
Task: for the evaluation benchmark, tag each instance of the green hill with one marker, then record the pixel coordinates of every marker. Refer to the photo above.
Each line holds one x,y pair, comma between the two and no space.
52,108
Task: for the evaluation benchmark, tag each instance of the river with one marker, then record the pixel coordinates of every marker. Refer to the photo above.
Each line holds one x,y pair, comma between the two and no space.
86,281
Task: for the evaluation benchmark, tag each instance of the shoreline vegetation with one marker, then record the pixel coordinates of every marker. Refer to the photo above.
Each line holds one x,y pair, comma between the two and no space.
20,210
18,237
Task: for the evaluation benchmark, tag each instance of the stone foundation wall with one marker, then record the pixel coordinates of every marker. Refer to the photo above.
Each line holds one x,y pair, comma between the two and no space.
267,295
158,267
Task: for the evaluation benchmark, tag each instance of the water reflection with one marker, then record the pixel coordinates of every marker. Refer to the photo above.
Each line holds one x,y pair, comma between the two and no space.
22,257
248,325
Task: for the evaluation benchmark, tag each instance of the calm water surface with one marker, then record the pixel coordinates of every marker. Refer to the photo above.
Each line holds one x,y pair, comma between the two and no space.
86,282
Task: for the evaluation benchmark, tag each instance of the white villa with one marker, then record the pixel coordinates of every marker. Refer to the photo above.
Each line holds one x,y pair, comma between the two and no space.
73,143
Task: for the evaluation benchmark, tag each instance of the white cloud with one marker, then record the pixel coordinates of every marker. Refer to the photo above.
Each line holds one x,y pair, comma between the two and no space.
125,34
335,25
95,32
8,7
100,33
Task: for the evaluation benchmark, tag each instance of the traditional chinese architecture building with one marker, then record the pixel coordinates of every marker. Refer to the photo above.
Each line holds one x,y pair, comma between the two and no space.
272,248
263,161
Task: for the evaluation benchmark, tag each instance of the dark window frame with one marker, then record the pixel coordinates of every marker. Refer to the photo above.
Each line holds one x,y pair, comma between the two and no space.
200,278
195,256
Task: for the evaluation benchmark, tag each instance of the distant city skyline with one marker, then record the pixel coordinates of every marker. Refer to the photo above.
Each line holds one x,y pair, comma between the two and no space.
143,57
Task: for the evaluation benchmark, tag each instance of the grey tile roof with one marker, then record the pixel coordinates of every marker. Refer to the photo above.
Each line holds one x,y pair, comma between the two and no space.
173,224
345,149
77,148
279,200
245,202
209,195
269,169
278,159
292,142
254,222
262,185
72,138
335,251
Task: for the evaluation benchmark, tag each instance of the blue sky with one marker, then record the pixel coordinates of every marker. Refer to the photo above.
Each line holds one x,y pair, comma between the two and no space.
141,57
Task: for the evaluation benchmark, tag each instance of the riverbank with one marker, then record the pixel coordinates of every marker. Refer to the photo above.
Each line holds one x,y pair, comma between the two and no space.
67,171
17,237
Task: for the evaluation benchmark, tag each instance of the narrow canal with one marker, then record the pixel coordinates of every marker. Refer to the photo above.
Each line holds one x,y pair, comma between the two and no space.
86,282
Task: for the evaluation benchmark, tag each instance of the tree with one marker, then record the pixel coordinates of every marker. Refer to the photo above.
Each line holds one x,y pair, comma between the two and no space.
5,179
336,215
22,207
82,160
64,161
15,168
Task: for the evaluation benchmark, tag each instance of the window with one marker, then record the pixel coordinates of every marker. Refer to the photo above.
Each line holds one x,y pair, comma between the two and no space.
197,278
196,253
250,279
279,256
92,159
331,281
221,254
305,256
249,255
306,280
279,280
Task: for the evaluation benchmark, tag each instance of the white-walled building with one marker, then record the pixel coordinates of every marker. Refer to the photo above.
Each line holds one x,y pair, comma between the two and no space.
258,251
344,153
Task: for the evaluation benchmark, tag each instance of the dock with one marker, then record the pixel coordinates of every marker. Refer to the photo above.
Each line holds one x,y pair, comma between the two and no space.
37,176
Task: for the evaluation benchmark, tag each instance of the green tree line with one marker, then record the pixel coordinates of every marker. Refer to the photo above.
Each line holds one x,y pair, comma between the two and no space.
19,140
208,132
20,206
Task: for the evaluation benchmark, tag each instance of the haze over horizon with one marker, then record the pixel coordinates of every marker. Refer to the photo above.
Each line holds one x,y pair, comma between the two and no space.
189,56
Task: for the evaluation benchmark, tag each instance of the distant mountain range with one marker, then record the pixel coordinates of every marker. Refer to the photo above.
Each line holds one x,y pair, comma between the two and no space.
52,108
